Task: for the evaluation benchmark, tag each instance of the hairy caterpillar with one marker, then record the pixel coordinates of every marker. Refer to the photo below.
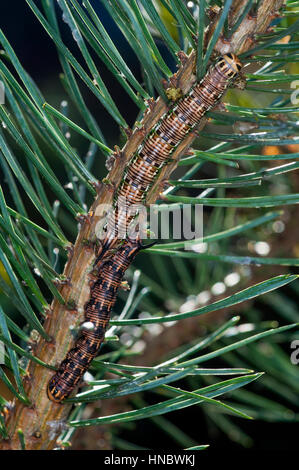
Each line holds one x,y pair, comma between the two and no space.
103,293
157,148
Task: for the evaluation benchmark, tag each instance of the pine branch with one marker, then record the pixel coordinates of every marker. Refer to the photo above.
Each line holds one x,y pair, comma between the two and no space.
45,417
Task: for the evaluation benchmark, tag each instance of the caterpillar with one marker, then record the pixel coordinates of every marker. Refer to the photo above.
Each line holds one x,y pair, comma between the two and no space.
156,150
103,292
139,176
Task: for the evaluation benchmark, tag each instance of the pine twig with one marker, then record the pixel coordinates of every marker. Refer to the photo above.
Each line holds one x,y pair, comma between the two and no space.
43,421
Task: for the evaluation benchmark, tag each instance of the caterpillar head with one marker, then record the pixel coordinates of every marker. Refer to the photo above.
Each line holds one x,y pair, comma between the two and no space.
54,392
229,65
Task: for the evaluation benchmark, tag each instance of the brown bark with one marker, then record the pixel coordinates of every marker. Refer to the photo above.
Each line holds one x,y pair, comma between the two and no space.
43,421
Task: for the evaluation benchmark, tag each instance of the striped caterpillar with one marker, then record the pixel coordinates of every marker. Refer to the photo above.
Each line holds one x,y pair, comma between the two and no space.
139,176
103,293
156,150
